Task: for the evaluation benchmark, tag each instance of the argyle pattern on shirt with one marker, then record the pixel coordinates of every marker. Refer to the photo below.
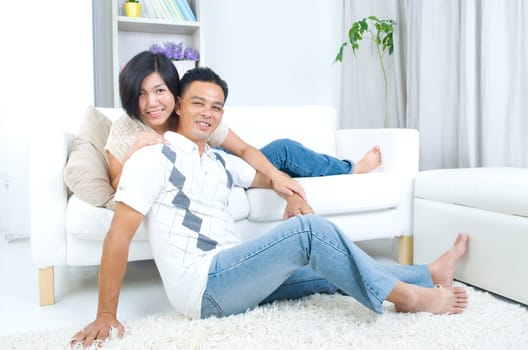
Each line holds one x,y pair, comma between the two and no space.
198,189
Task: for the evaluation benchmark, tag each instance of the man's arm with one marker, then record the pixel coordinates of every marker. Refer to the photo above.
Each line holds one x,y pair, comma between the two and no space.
283,184
112,270
295,204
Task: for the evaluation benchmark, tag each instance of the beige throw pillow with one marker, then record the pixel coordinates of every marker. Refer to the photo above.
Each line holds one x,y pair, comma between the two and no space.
86,171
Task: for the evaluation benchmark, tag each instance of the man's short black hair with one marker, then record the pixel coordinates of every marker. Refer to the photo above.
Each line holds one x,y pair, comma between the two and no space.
204,74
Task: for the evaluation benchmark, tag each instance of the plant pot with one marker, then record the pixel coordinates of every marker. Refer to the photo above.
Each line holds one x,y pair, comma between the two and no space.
184,66
132,9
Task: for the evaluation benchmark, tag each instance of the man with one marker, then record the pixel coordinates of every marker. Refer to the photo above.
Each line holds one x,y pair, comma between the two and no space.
181,189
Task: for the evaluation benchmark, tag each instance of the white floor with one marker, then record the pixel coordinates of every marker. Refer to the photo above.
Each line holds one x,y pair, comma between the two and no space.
76,291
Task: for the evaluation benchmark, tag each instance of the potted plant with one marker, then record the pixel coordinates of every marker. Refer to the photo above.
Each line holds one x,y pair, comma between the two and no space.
183,58
381,35
132,8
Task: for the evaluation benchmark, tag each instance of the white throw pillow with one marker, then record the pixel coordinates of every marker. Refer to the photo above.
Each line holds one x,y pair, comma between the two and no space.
87,170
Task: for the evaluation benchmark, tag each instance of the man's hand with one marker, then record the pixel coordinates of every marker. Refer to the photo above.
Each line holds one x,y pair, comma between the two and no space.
286,187
296,205
112,269
97,332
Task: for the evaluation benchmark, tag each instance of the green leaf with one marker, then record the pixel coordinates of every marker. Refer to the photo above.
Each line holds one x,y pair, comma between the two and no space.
339,56
381,35
352,34
363,24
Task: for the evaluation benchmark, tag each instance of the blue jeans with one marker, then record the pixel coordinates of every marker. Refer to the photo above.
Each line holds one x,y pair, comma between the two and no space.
299,257
298,161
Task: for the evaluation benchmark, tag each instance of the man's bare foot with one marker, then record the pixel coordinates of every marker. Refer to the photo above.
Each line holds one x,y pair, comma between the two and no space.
411,298
443,269
370,161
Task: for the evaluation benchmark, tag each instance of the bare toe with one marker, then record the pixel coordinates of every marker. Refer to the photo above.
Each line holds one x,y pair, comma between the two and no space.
443,269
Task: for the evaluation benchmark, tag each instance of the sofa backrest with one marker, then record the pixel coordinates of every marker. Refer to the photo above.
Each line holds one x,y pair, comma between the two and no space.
313,126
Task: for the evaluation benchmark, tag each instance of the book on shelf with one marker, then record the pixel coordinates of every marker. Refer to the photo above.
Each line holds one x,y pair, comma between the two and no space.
175,10
169,11
159,11
185,8
147,10
178,15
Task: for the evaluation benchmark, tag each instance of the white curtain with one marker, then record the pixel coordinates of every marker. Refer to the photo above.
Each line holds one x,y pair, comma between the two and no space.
459,75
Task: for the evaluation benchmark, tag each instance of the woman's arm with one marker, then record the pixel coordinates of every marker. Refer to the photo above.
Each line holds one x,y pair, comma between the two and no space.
112,270
283,184
116,168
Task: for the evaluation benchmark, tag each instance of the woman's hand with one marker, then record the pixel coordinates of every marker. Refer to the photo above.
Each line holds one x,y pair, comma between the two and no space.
286,187
144,139
97,333
116,167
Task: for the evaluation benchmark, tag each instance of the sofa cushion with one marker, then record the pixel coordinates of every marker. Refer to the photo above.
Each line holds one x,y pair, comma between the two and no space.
331,195
85,221
238,204
86,171
497,189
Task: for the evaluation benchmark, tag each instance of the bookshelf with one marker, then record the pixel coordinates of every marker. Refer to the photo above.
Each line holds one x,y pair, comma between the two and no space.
118,38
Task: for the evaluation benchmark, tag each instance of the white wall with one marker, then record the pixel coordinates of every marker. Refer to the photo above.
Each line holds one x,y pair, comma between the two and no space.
4,226
274,52
47,82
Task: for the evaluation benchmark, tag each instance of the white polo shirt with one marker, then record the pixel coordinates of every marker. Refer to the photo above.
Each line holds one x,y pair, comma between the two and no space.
184,199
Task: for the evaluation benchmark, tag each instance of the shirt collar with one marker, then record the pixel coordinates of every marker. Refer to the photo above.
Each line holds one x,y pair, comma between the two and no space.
183,142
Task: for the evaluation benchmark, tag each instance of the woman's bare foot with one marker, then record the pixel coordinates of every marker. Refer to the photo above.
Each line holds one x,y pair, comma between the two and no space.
370,161
411,298
443,269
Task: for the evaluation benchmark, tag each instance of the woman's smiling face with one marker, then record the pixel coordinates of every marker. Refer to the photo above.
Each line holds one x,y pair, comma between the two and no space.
156,102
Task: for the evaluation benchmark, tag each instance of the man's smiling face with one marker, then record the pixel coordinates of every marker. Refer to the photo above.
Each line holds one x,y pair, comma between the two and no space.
200,110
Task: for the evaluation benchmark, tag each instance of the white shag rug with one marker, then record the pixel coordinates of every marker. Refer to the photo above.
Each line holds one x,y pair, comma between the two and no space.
317,322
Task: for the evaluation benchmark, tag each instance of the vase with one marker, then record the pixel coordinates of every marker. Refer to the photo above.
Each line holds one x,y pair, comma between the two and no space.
183,66
132,9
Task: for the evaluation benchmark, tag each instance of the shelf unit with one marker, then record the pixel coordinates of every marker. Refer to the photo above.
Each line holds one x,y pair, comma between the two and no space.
118,38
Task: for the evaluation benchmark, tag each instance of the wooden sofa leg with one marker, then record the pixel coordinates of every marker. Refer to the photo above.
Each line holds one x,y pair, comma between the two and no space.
405,250
46,286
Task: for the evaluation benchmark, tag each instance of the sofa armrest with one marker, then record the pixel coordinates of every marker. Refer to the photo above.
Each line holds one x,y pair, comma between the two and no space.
48,196
400,155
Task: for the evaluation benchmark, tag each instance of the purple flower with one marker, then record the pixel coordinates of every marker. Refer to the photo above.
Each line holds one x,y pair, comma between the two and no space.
175,51
156,48
190,54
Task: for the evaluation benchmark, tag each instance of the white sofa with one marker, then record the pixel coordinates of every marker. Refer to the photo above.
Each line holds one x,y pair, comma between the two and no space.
368,206
491,205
